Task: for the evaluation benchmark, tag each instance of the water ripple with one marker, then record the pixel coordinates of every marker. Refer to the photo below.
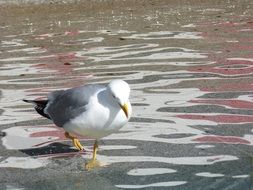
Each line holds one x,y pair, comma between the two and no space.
191,87
159,184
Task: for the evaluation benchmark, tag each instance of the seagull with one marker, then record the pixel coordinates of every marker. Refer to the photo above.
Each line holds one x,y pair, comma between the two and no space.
91,110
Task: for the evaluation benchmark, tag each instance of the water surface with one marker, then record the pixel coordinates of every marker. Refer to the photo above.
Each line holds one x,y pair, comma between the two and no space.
189,66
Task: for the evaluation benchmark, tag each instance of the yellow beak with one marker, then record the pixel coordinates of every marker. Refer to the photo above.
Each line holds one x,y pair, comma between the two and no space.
125,109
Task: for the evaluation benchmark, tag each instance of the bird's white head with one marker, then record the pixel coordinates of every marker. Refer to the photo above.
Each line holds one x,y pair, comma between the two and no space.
120,90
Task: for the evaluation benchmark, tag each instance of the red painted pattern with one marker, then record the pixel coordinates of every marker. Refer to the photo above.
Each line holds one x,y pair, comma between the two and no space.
57,132
50,35
231,86
239,61
238,46
71,33
62,57
60,68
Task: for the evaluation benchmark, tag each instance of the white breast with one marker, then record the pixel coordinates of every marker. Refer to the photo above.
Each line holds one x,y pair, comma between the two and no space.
98,121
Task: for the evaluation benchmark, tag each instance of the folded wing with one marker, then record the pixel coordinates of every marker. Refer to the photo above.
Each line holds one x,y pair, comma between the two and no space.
65,105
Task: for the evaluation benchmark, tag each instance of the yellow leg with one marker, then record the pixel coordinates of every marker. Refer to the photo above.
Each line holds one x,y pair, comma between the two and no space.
75,141
95,149
93,163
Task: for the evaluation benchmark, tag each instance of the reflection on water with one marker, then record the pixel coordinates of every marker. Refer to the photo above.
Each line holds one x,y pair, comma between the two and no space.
150,171
191,96
160,184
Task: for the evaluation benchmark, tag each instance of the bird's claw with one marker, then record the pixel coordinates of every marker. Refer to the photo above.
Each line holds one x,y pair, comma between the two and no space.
78,145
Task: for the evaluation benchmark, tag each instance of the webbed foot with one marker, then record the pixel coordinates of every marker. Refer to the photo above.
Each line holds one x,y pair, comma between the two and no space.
75,141
92,164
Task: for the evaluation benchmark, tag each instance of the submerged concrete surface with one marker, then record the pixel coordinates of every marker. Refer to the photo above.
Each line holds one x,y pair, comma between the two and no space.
189,64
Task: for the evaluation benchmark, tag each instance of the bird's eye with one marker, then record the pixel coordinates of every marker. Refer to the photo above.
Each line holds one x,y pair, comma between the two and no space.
113,96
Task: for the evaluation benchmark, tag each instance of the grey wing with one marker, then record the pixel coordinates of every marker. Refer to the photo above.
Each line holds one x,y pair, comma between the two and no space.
66,105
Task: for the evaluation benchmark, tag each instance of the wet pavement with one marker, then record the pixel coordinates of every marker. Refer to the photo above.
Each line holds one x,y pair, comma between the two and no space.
189,65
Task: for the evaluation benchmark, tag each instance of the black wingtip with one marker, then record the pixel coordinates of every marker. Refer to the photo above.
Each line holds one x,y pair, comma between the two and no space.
39,106
28,101
2,134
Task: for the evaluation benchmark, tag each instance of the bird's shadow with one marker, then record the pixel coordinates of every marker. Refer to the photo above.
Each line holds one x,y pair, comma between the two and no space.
52,150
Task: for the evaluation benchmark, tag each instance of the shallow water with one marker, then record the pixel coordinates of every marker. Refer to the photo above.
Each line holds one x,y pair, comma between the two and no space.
190,70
